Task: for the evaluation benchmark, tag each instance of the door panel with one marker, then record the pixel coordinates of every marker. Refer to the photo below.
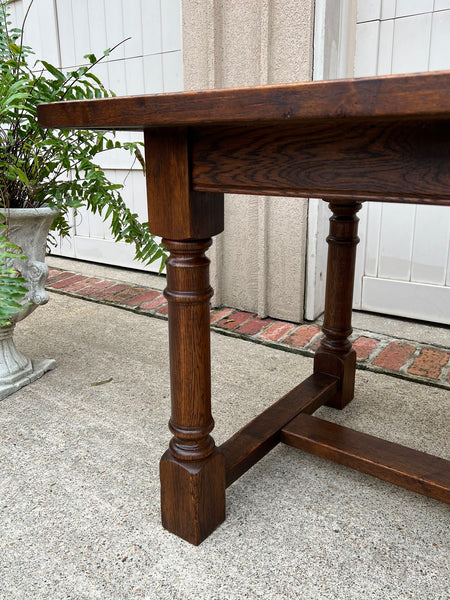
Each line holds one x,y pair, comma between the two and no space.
406,298
149,62
403,263
430,253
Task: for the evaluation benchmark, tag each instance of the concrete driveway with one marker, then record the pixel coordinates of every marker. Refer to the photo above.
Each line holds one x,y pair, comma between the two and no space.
79,491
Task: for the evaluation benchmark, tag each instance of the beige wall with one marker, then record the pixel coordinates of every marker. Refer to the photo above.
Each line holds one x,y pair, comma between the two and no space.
258,263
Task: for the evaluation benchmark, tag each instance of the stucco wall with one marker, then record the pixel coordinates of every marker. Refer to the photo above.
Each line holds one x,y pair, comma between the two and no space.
258,263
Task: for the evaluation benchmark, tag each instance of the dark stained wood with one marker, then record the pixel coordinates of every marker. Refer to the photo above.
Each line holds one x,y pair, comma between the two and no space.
192,471
188,294
255,440
192,496
408,468
397,161
174,210
335,355
380,139
424,96
348,141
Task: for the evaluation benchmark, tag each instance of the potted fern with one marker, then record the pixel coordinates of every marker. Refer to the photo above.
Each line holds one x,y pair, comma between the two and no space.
50,172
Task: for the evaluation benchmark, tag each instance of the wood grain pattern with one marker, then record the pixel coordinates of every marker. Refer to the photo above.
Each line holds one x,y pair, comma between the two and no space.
175,211
257,438
383,138
408,468
188,294
192,496
192,471
335,355
424,95
369,159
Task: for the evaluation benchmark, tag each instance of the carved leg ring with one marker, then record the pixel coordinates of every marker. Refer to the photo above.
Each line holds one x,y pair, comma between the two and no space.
335,355
192,470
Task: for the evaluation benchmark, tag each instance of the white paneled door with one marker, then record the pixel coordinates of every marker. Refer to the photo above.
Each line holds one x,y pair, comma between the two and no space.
403,265
150,61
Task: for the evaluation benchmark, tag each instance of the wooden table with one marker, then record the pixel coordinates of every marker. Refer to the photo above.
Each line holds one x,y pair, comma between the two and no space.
346,141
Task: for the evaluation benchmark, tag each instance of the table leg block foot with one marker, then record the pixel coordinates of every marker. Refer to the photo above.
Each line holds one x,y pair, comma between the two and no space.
343,367
192,496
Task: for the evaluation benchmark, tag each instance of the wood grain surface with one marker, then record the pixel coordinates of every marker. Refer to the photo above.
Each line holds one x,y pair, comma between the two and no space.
424,95
257,438
408,468
346,141
192,470
402,161
175,211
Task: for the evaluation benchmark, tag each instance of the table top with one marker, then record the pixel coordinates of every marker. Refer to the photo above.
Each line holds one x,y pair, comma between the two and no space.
379,138
421,95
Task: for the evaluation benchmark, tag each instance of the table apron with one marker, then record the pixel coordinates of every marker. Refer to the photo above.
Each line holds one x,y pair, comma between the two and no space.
403,161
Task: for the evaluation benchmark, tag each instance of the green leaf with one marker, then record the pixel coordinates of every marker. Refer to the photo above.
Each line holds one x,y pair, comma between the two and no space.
95,78
22,176
57,167
15,49
54,71
91,58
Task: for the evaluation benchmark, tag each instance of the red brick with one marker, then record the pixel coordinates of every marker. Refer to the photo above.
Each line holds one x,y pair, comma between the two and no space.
364,346
53,273
254,326
158,301
145,297
217,315
76,287
234,320
316,344
89,285
276,331
164,310
106,292
121,296
96,290
63,283
60,276
394,356
302,335
429,363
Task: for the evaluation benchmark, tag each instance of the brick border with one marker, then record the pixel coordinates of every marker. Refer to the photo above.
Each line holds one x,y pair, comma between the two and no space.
422,363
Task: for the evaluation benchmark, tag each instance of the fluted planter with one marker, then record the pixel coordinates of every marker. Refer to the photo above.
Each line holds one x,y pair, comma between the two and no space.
28,229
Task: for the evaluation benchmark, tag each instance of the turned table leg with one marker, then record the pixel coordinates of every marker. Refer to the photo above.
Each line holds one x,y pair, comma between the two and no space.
335,355
192,470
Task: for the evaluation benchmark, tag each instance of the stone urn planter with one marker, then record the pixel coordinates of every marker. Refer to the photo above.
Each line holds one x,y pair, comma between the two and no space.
28,228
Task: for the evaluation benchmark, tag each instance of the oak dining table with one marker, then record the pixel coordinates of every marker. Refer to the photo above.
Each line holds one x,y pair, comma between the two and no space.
378,139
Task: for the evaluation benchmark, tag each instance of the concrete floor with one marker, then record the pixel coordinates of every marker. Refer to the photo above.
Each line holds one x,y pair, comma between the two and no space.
80,492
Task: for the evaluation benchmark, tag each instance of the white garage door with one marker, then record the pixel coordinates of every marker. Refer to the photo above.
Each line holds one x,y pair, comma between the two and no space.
62,31
403,265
